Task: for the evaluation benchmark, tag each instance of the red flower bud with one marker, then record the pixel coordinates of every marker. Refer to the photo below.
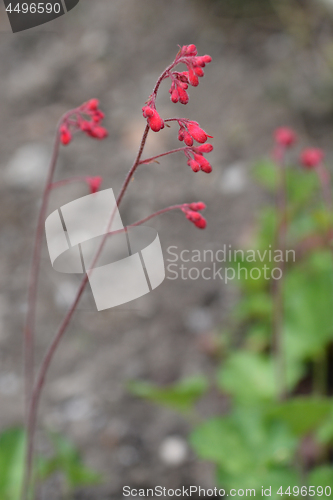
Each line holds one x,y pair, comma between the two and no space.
311,157
183,95
155,122
191,50
194,81
207,168
196,132
202,61
194,165
85,126
188,139
92,105
193,216
147,111
197,219
204,148
93,130
204,163
181,134
183,85
199,71
94,183
65,135
98,116
99,132
207,59
201,223
199,205
175,96
285,137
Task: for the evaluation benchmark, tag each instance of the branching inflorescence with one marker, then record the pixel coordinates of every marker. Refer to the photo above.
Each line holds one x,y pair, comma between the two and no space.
189,130
88,118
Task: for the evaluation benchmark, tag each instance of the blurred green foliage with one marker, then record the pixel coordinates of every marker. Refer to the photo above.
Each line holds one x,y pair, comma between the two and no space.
181,396
64,459
259,442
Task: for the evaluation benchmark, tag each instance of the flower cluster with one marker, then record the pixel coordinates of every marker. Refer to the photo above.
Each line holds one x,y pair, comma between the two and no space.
191,212
311,157
154,120
285,138
199,162
87,118
190,130
181,81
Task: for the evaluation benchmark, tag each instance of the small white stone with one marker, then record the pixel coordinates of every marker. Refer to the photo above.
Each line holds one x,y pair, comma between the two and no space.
173,451
233,180
28,166
9,384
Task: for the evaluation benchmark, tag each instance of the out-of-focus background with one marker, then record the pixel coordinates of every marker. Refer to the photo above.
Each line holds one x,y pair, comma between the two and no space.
272,65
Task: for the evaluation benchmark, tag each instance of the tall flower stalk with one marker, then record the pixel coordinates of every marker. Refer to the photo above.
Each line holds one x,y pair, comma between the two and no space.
313,159
87,118
284,139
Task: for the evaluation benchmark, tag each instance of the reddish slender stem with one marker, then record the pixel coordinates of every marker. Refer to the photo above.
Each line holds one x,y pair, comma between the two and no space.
155,214
176,120
38,388
50,353
142,221
278,303
64,182
34,273
33,280
149,160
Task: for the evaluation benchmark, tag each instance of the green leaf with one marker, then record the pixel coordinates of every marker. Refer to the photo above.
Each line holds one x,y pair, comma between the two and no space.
255,306
79,475
321,476
302,414
265,171
181,396
12,454
268,479
248,376
308,300
66,459
303,187
324,433
248,449
251,377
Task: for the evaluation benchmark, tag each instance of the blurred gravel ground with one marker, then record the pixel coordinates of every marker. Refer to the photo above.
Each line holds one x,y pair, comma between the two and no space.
115,50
